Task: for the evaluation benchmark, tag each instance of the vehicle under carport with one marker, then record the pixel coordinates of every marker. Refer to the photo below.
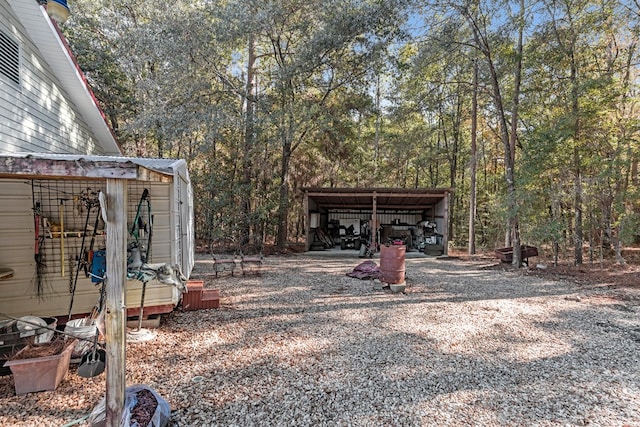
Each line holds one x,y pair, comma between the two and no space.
418,217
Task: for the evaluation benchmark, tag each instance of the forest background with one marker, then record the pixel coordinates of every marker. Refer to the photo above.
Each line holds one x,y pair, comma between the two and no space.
528,109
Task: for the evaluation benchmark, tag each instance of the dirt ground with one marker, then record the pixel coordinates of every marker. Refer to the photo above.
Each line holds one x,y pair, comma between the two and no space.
471,342
592,272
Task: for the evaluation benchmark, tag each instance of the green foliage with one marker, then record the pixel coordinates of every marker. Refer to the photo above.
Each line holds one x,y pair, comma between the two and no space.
175,81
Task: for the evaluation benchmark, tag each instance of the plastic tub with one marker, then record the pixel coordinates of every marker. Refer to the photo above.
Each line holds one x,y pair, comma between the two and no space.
80,329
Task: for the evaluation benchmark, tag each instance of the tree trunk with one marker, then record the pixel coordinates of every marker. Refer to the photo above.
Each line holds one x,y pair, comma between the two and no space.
515,227
249,140
453,161
283,204
376,140
473,166
577,167
483,45
512,207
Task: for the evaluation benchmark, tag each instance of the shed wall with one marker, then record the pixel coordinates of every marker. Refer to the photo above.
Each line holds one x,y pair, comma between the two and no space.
441,215
18,295
182,203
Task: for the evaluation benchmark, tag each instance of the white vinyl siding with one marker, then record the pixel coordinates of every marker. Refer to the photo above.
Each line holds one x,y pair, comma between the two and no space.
37,115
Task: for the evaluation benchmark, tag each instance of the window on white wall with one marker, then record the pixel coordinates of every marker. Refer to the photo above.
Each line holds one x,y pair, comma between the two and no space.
9,58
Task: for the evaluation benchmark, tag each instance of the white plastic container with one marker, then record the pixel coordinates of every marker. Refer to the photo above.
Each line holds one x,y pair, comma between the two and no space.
81,328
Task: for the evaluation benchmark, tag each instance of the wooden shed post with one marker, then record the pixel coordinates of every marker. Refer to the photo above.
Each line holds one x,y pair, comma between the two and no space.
116,258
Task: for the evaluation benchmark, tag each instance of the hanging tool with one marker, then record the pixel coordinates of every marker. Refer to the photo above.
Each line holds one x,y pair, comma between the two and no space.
89,253
138,224
62,237
93,362
139,254
77,208
38,256
36,223
99,307
72,264
103,207
147,259
141,313
90,203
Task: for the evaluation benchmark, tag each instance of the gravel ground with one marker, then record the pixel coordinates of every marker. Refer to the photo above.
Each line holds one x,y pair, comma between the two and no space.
304,345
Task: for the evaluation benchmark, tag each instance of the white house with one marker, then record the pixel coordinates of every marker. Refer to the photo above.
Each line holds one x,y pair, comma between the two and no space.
49,116
45,103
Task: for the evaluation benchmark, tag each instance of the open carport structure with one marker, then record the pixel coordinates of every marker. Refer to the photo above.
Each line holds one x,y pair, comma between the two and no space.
390,211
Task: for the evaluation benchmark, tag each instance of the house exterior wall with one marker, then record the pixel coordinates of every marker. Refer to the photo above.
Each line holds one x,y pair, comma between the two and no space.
18,294
37,115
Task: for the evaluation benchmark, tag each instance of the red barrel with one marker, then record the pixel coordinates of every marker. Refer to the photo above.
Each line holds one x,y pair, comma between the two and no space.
392,264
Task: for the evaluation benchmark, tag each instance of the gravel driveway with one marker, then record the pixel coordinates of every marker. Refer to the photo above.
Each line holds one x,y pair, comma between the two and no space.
305,345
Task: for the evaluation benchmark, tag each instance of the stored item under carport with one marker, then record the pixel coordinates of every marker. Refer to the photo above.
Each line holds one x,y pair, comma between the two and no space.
40,373
433,249
392,263
62,237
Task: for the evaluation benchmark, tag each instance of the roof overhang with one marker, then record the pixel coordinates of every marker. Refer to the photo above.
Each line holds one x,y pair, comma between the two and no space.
69,166
385,198
52,46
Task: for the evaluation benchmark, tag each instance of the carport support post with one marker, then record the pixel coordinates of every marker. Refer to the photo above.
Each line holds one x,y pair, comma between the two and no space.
307,221
445,232
116,309
374,222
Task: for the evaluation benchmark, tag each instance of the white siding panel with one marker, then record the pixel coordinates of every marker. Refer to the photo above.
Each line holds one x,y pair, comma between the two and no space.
16,235
11,141
440,215
38,116
155,294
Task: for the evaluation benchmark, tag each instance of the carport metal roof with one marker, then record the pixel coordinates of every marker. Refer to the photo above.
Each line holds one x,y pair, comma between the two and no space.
385,198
